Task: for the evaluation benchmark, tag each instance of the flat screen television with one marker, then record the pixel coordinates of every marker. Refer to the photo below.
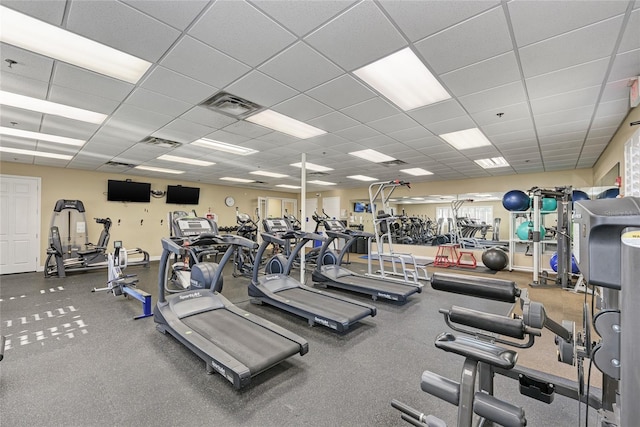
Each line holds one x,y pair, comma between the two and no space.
359,207
179,195
128,191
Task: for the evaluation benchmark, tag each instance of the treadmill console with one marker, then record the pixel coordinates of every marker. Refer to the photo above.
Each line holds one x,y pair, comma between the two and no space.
275,225
333,225
193,227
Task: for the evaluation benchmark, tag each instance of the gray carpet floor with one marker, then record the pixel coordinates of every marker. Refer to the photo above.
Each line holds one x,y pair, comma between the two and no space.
78,358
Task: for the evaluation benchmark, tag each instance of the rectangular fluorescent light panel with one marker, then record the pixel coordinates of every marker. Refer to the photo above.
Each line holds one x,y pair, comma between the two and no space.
285,124
228,178
49,40
40,136
492,163
223,146
312,167
318,182
372,155
161,170
293,187
404,80
362,178
465,139
269,174
416,171
185,160
35,153
48,107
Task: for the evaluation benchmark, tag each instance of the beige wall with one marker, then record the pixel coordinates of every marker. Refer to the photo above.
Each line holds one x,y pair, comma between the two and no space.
140,224
614,152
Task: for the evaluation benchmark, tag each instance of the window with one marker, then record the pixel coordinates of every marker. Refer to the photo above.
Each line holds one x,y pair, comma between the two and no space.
478,213
632,166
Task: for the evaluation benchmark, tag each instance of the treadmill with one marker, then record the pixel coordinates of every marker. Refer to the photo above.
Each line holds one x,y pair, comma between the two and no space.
279,289
329,271
233,342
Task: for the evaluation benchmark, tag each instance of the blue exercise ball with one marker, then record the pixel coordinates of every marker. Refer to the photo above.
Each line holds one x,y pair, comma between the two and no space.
525,228
579,195
515,200
553,263
611,193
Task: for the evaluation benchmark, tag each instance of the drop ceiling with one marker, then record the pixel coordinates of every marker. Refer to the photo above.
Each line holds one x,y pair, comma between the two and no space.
546,82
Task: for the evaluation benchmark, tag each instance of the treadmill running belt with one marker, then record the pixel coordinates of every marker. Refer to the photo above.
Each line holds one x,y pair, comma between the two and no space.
324,305
254,346
376,284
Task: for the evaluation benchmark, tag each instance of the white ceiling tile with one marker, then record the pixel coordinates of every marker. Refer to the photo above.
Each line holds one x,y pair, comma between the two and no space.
51,11
451,125
300,17
28,65
349,42
241,31
204,116
502,114
626,65
508,126
370,110
586,44
601,132
560,138
380,141
564,116
121,27
156,102
526,135
210,67
392,123
569,79
333,122
481,37
300,67
357,133
496,97
89,82
15,83
23,119
410,134
437,112
493,72
177,14
169,83
228,137
302,108
566,101
577,127
615,90
248,129
278,139
619,107
83,100
341,92
183,131
631,37
61,126
424,142
261,89
418,19
606,121
557,17
133,119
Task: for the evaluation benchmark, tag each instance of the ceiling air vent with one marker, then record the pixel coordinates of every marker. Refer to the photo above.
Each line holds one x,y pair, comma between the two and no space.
120,164
161,142
393,162
231,105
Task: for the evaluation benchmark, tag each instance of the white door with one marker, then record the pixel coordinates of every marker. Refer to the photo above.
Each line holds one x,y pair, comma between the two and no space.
19,224
311,206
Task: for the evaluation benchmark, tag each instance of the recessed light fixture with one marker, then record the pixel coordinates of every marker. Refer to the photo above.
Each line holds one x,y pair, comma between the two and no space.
362,178
40,136
269,174
293,187
372,155
465,139
161,170
285,124
312,167
35,153
223,146
185,160
403,79
492,163
49,40
318,182
417,198
243,180
48,107
416,171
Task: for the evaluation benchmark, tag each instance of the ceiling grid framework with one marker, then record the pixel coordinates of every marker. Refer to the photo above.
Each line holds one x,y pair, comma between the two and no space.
546,82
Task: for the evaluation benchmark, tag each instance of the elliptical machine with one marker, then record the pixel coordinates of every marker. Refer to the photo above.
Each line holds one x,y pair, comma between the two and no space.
244,257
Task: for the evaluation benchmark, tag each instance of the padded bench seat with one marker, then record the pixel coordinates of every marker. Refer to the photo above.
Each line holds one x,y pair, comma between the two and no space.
477,350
